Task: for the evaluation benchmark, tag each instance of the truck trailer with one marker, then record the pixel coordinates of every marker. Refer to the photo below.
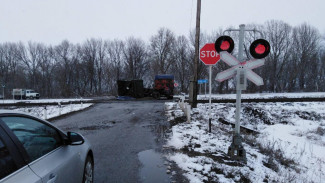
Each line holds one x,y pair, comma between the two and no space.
163,87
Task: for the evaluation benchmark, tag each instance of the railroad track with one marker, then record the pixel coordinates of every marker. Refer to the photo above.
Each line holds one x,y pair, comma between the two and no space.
242,128
264,100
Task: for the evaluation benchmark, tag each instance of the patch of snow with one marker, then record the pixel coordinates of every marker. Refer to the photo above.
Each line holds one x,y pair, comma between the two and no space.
10,101
53,111
296,131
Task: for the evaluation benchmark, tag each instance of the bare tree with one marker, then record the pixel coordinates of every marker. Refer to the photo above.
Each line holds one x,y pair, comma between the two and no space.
304,48
64,55
90,61
161,51
115,53
116,63
82,75
136,61
278,34
31,57
321,71
100,63
46,77
181,65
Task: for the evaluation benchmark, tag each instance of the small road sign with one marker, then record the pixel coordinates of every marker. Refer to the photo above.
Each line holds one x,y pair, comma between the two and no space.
202,81
248,66
175,84
209,55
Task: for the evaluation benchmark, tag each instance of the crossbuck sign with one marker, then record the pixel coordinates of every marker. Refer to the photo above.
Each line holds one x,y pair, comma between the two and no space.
245,69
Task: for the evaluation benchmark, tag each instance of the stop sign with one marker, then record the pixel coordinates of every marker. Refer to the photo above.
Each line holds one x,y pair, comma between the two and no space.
209,55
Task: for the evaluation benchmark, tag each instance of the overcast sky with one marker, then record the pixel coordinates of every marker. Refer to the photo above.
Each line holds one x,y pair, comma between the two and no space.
51,21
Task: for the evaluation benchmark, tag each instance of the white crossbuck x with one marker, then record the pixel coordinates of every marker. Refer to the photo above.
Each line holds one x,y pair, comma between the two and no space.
248,66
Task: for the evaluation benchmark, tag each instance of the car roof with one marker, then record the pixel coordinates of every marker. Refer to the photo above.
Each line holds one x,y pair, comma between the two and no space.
6,111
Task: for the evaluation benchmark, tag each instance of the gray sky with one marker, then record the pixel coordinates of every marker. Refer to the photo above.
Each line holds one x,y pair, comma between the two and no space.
51,21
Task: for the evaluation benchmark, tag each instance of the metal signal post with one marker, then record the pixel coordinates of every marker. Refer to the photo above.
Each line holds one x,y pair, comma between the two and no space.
209,56
210,88
242,70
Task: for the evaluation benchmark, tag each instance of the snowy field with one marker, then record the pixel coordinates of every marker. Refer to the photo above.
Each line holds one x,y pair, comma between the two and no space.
11,101
53,111
264,95
289,148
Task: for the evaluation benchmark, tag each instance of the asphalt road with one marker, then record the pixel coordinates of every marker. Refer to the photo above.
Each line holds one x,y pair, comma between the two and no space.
118,132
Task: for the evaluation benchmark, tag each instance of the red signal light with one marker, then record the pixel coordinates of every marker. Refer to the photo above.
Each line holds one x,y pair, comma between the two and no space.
260,48
224,43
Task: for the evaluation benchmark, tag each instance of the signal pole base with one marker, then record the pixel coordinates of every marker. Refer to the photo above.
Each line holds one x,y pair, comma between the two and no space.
236,150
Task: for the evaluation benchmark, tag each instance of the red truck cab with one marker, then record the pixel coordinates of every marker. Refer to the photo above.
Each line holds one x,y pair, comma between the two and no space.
164,86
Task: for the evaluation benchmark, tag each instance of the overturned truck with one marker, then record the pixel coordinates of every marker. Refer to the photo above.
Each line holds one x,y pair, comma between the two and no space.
163,87
132,88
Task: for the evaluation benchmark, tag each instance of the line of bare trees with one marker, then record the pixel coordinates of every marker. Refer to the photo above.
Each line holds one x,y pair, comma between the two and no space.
296,62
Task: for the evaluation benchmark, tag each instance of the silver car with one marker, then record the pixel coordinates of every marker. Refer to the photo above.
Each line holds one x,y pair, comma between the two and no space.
33,150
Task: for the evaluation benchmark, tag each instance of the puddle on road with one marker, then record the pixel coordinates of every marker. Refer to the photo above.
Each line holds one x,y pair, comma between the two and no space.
94,127
161,131
153,169
102,125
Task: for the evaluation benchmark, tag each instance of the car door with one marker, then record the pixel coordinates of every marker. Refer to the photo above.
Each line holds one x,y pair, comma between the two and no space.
48,157
13,169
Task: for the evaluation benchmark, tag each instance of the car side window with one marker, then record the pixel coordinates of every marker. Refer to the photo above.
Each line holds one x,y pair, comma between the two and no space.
7,164
37,138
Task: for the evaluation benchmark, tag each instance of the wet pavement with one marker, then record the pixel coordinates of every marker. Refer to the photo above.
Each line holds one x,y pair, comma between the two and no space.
126,138
153,169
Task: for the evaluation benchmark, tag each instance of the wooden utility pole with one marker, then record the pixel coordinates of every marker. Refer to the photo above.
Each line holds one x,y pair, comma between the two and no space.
193,82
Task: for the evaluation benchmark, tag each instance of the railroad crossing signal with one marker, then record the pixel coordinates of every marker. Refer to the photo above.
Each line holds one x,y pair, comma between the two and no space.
259,49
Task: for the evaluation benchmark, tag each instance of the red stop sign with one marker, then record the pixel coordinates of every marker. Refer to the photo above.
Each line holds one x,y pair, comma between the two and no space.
209,55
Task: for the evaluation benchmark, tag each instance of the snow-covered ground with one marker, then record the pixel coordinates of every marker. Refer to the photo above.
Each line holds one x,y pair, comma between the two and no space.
53,111
289,148
10,101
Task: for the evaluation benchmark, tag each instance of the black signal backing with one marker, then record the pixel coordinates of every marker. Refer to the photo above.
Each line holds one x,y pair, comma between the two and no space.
260,48
224,43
